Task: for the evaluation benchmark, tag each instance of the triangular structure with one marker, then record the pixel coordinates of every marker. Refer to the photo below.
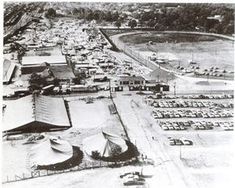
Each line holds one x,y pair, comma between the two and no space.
106,144
114,145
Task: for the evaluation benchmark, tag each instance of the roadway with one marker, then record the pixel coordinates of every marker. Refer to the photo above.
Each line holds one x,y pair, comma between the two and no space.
169,172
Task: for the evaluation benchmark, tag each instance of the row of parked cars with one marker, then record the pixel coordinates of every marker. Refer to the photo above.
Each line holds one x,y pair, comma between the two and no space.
196,125
189,104
171,126
210,96
227,126
201,127
180,142
209,113
178,126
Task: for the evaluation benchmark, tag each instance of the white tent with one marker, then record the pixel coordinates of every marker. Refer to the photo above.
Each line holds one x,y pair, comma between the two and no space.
106,144
51,151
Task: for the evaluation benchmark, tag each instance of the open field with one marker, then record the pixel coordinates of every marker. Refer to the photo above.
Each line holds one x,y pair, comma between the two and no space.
157,37
206,51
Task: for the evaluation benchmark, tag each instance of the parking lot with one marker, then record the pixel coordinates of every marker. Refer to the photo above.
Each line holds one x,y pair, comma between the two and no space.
193,112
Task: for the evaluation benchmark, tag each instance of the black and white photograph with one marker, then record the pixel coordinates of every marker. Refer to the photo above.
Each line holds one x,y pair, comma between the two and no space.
117,94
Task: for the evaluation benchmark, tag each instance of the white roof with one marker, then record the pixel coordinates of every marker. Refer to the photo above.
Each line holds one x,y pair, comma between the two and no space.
37,60
17,113
51,110
8,69
28,109
51,151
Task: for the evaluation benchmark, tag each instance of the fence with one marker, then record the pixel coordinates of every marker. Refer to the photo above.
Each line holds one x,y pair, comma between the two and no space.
118,45
84,166
110,42
171,32
119,117
138,57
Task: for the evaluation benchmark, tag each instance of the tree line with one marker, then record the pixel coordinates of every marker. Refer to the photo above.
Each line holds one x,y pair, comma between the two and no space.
98,15
187,17
191,17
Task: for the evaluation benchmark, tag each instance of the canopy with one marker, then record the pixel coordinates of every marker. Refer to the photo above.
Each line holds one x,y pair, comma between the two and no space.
51,151
106,144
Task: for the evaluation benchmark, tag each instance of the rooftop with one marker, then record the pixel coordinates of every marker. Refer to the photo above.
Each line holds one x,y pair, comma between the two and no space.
48,110
62,72
123,77
37,60
8,69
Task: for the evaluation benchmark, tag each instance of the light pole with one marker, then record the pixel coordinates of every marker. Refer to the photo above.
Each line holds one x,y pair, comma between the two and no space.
180,153
174,88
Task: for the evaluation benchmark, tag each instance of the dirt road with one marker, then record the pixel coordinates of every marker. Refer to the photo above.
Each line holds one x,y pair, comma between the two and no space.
136,116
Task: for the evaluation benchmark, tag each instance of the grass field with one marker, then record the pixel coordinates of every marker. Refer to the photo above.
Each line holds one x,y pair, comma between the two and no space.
111,32
207,51
165,38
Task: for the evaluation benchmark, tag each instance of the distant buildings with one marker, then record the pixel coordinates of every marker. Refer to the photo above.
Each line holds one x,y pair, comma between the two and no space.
138,83
135,81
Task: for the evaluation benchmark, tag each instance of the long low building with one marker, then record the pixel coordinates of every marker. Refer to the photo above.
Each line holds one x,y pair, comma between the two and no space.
38,60
138,83
34,114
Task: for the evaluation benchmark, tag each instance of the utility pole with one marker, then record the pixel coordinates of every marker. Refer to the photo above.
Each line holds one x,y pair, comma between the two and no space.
110,91
174,88
180,153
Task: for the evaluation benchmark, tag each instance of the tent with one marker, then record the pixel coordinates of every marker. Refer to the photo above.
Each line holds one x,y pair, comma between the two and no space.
114,145
50,151
106,144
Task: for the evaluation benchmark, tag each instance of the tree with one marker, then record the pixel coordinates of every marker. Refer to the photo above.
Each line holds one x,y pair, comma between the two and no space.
56,82
97,14
90,15
50,13
95,154
36,81
77,80
151,23
108,17
115,16
115,150
141,23
81,13
118,24
75,11
132,23
147,16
